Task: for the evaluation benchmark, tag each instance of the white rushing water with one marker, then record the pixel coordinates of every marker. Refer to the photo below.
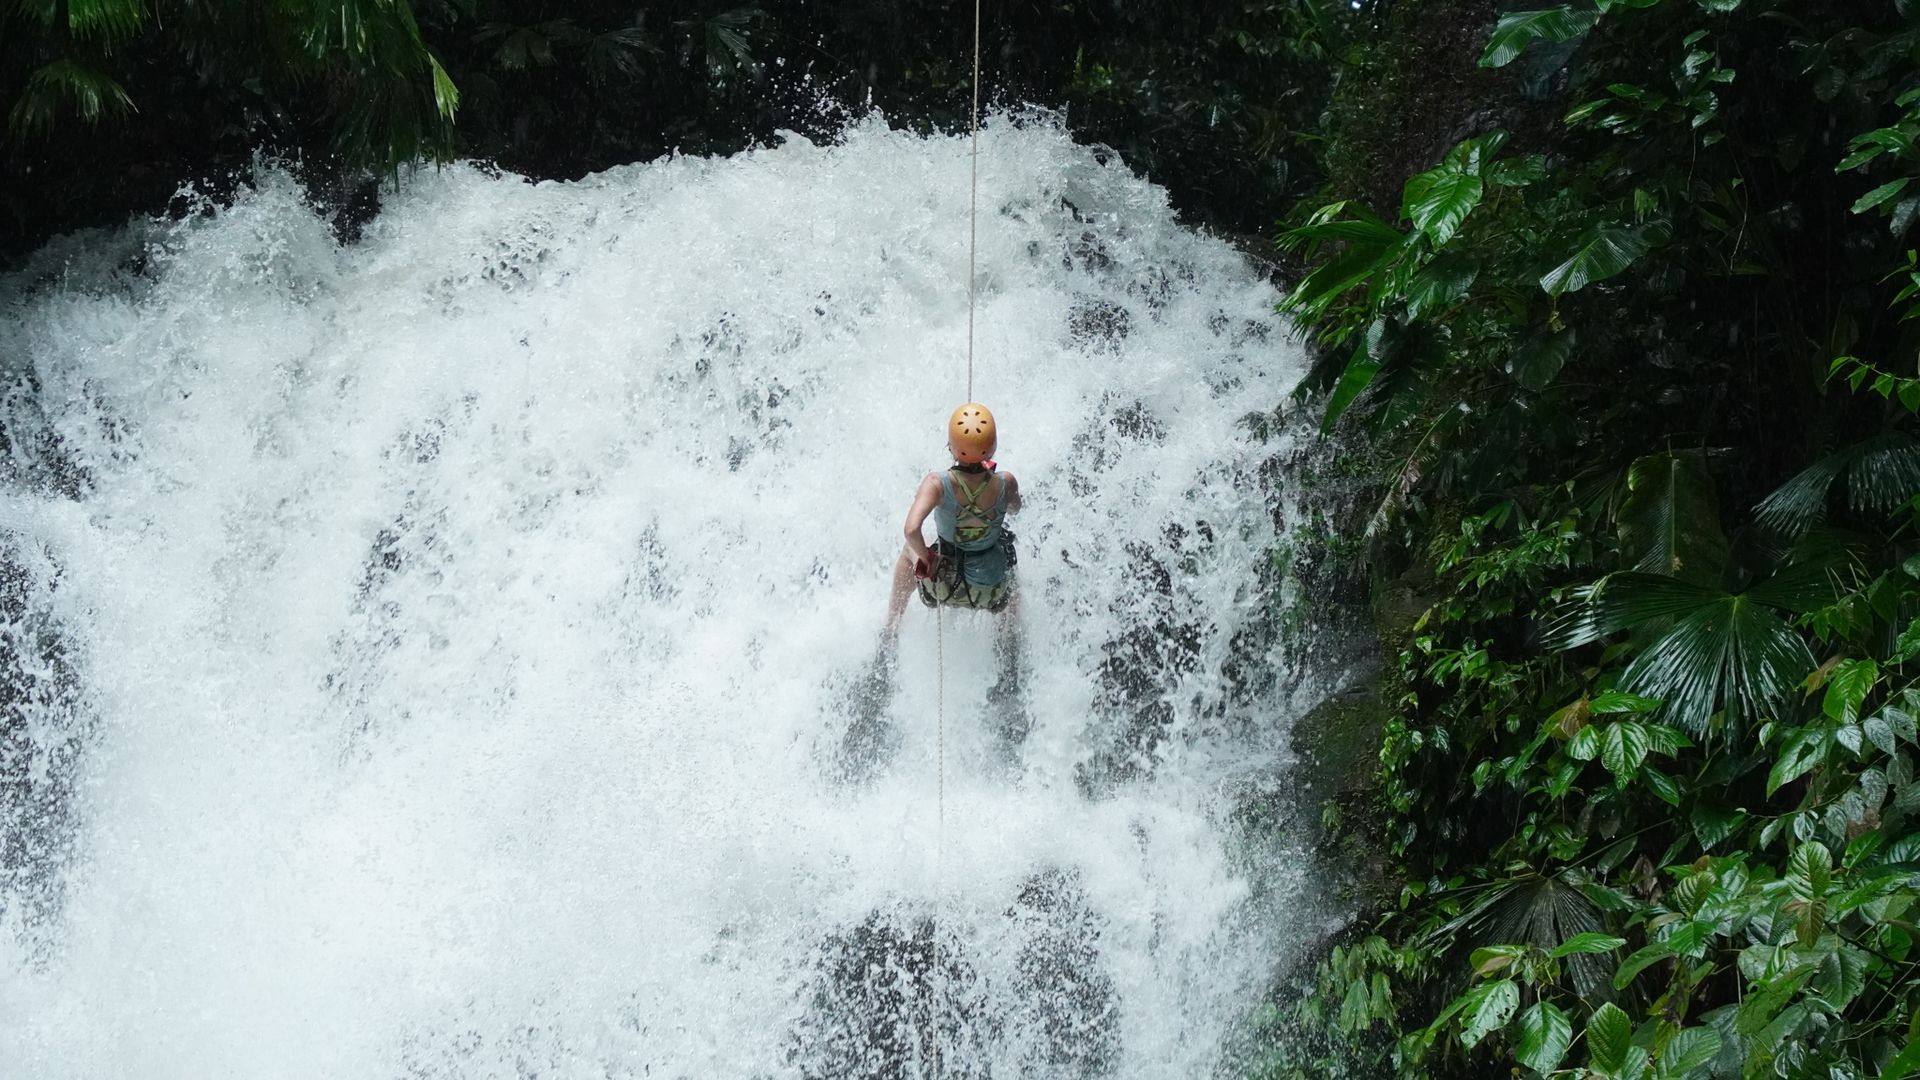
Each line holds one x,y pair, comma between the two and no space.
429,657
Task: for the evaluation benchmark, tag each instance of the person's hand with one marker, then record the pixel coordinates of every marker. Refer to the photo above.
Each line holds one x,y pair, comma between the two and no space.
924,565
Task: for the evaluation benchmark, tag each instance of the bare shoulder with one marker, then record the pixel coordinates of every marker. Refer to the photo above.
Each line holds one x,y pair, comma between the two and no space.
1012,481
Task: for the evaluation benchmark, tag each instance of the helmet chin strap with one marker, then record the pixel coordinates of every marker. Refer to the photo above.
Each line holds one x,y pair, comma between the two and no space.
975,466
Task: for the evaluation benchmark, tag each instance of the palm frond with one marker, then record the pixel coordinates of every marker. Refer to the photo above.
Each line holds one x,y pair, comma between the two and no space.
1885,475
1623,600
1882,473
66,84
110,20
1732,649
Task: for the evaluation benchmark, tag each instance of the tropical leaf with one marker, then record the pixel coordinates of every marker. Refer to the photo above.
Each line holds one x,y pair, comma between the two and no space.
1587,943
1603,252
1518,171
108,19
1516,30
1670,519
1799,754
446,96
1438,201
1882,473
1809,871
1609,1034
1881,194
1616,701
66,85
1538,360
1623,746
1489,1007
1689,1049
1885,474
1545,1033
1474,155
1440,283
1730,649
1318,290
1623,600
1640,960
1354,379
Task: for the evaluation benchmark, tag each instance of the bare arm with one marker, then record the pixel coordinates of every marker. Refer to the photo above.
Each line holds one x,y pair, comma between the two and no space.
924,500
1013,491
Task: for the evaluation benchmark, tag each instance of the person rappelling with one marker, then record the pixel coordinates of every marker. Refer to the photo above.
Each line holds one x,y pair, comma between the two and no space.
971,563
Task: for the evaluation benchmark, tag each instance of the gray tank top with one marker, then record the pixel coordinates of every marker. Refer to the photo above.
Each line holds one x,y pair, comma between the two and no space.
985,561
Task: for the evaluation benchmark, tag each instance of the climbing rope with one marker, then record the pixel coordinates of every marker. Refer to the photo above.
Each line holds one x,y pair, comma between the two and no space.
939,830
939,614
973,193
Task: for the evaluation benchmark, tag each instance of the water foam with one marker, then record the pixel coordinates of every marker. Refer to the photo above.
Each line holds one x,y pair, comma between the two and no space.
459,623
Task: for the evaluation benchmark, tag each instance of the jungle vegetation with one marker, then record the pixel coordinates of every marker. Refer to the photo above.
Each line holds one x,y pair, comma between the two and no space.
1635,355
112,105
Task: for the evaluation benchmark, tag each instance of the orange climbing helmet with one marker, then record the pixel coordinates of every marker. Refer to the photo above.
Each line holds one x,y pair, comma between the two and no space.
970,433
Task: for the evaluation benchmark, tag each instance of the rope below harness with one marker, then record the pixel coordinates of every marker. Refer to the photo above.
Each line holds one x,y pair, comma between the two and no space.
939,614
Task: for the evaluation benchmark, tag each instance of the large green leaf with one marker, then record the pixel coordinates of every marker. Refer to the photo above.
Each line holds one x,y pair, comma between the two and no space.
1730,649
1589,942
1438,201
1670,519
1847,687
1318,290
1545,1033
1475,154
1440,283
1623,746
110,19
1539,359
1688,1050
1488,1008
1516,30
66,85
1881,194
1609,1034
1602,252
1354,380
1809,871
1640,960
1799,754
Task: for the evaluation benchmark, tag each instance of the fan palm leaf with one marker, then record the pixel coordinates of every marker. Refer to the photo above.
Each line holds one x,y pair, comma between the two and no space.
1881,473
1710,648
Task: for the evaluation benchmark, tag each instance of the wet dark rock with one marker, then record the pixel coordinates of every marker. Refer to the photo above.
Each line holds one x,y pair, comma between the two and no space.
43,734
883,990
1139,675
33,457
1099,325
870,741
1103,441
879,993
1067,1007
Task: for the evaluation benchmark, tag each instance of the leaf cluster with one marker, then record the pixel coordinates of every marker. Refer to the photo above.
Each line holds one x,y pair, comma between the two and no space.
1649,776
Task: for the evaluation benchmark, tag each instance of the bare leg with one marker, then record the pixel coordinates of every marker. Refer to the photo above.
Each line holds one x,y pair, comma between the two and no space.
903,584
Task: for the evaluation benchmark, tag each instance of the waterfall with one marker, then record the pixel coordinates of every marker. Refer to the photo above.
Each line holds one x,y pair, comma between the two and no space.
435,656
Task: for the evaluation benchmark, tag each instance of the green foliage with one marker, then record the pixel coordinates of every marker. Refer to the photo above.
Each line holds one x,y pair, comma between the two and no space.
111,101
1647,370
